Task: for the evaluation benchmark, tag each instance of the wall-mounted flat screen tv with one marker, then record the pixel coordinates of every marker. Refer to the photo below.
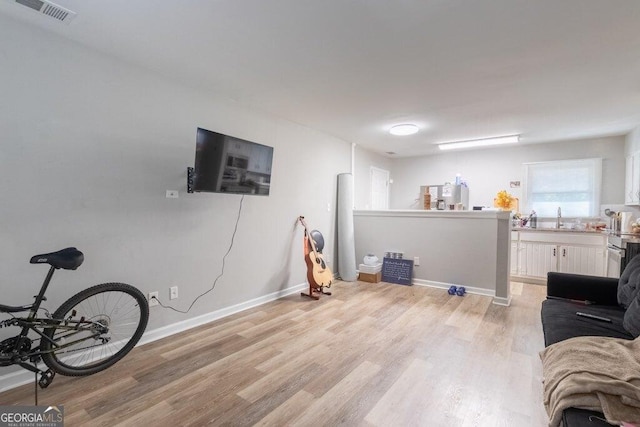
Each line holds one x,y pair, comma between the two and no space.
226,164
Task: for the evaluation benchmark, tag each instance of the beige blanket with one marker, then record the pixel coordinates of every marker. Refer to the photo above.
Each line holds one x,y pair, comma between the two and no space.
597,373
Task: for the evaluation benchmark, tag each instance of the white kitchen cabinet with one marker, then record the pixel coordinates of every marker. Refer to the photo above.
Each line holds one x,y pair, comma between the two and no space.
514,258
541,252
628,180
582,260
632,179
539,259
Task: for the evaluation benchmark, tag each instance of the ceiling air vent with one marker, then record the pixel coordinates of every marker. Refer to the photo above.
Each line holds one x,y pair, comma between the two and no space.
50,9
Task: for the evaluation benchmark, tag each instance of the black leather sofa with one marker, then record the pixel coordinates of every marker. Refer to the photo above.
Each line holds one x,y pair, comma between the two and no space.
566,296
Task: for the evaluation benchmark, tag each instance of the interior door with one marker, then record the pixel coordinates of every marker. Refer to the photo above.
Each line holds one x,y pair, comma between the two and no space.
379,189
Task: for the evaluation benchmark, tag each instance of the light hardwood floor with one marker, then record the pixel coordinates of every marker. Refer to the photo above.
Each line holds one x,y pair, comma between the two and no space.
370,355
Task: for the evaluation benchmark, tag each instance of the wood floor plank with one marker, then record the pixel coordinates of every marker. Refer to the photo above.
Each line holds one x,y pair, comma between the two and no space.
269,325
278,377
467,318
201,340
288,410
397,405
252,412
372,354
152,416
328,408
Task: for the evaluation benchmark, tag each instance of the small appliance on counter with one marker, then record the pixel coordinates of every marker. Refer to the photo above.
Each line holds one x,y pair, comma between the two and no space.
445,196
456,196
626,219
614,221
434,193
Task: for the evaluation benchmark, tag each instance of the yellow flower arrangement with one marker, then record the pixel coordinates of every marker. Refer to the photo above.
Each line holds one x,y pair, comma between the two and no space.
504,200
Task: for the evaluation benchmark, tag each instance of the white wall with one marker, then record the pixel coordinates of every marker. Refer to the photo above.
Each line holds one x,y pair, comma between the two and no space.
88,147
491,170
364,160
632,143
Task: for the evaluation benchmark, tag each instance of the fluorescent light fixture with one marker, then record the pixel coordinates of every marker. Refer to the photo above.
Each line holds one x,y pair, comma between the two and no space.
404,129
498,140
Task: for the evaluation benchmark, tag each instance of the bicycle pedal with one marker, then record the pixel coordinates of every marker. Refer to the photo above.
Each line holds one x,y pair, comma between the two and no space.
46,378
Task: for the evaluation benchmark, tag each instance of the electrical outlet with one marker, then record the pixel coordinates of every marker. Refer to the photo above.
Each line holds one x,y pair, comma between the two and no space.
416,261
153,301
173,292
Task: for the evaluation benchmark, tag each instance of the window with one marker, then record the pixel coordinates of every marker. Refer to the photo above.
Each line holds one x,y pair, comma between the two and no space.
573,185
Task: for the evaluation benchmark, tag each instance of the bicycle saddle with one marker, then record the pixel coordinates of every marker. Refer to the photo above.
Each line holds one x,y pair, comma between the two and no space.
68,259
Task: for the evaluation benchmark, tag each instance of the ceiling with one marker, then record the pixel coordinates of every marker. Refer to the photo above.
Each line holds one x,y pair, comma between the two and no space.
548,70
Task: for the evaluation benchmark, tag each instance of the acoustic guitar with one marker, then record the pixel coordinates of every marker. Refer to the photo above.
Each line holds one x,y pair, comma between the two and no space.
319,274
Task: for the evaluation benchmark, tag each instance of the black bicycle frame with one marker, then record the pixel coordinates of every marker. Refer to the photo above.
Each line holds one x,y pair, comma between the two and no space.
32,322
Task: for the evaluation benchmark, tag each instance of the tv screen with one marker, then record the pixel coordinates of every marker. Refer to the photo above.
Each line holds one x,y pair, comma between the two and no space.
225,164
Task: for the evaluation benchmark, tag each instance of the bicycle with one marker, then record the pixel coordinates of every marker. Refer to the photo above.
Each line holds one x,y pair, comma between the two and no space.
88,333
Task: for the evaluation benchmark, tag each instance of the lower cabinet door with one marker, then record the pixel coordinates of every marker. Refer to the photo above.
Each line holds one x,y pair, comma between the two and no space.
541,258
587,260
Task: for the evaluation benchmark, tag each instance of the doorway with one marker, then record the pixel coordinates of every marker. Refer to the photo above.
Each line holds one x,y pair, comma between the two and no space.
379,188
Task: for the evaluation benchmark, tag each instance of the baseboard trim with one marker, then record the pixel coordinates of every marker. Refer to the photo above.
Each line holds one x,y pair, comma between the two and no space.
22,377
506,302
470,290
443,285
185,325
529,279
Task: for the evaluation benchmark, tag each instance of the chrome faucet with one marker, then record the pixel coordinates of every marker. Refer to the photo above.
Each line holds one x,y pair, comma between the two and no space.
558,218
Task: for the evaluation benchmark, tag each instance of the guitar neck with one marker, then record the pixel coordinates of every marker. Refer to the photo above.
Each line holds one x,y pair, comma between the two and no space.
311,241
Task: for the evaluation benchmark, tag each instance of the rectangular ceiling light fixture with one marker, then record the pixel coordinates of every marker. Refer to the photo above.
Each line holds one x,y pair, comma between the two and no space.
498,140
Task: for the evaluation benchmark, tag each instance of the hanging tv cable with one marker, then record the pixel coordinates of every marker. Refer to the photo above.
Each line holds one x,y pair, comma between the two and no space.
235,229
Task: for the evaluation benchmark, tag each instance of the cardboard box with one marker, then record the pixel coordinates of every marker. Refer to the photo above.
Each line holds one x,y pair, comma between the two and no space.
370,269
371,278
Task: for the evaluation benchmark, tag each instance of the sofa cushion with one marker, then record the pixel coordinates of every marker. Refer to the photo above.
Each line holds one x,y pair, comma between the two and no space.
560,321
632,318
629,283
629,295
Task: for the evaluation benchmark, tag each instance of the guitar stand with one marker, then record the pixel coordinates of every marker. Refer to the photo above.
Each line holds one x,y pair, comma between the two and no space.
319,290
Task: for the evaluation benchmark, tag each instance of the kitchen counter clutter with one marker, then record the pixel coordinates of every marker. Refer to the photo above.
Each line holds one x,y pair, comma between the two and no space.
536,252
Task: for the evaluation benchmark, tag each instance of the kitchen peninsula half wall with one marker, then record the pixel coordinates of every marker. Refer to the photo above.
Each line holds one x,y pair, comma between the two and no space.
461,248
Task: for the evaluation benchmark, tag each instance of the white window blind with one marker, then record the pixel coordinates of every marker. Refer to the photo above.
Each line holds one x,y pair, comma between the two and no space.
572,185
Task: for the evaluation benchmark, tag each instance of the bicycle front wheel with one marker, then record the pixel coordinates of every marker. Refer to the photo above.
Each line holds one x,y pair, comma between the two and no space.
94,329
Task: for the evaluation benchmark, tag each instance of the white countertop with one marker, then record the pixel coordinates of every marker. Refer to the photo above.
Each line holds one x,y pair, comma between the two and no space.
557,230
486,214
